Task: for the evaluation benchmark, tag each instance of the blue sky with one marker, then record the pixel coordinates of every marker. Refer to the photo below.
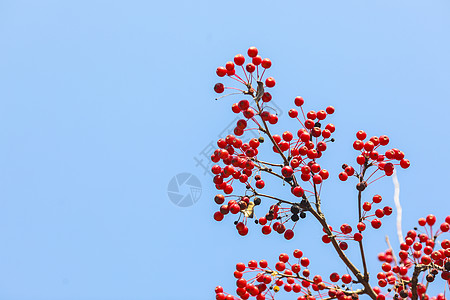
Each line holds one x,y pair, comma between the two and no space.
103,102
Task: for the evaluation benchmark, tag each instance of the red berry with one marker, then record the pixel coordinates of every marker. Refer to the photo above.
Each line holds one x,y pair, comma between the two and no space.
311,115
266,97
343,245
431,219
218,216
266,63
293,113
270,82
219,88
343,176
321,115
346,278
221,71
357,237
376,223
257,60
239,59
377,199
361,226
250,68
330,110
404,163
298,253
304,261
252,51
288,234
299,101
361,135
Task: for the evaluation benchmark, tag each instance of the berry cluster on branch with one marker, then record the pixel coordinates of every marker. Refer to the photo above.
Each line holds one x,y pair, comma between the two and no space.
239,162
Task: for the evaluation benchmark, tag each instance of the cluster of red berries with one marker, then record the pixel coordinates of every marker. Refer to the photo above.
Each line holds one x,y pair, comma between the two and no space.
291,276
257,64
276,218
420,252
371,157
239,161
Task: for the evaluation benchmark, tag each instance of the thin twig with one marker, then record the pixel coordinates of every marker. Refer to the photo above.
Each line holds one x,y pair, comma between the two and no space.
398,206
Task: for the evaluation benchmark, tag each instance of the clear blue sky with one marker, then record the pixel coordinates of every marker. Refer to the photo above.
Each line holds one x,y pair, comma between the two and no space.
103,102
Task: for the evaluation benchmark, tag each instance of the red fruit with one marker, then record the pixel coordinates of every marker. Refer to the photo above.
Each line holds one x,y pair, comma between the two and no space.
252,51
280,266
360,159
379,213
244,231
343,245
229,66
358,145
297,253
422,222
321,115
299,101
257,60
404,163
387,210
266,63
386,267
287,136
270,82
240,267
266,97
251,264
346,278
384,140
376,223
260,184
239,59
357,237
219,198
311,115
368,146
334,277
343,176
235,108
361,135
219,88
326,239
288,234
263,263
349,170
330,110
324,174
297,191
431,219
361,226
293,113
330,127
221,71
241,282
273,119
377,199
218,216
250,67
304,262
367,206
309,124
317,179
